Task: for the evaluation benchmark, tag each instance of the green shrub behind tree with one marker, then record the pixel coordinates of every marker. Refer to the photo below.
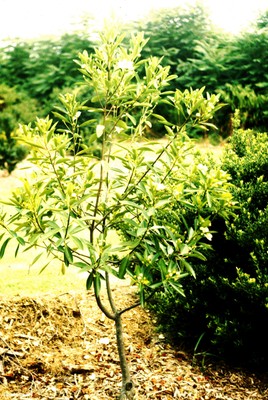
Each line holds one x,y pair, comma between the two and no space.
227,305
246,159
15,108
10,153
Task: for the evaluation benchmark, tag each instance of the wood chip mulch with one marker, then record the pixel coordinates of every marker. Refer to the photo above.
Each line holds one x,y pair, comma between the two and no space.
63,348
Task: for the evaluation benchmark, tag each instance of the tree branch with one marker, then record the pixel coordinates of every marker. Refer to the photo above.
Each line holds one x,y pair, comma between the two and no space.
103,308
137,304
109,293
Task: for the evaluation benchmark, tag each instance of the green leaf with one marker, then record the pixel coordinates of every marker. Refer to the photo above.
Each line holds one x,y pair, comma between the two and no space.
142,296
208,199
163,269
155,285
68,255
82,265
162,120
51,232
44,267
122,124
178,288
63,269
33,144
89,122
126,246
141,231
132,119
162,203
188,267
184,249
3,247
123,267
89,280
191,234
199,255
17,250
131,204
18,238
92,138
78,242
36,259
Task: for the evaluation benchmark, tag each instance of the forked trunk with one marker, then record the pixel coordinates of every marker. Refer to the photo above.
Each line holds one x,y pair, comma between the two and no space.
127,390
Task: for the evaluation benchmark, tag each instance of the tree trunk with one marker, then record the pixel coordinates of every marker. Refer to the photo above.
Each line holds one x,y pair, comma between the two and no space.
127,390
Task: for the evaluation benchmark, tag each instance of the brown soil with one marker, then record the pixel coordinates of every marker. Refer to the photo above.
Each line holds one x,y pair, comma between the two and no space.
64,348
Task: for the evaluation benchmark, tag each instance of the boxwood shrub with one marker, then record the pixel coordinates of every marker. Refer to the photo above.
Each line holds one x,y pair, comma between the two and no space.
225,309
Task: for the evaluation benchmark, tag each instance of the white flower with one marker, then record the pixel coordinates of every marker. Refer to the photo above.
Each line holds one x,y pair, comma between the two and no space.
203,168
208,236
77,115
125,64
206,232
160,186
118,129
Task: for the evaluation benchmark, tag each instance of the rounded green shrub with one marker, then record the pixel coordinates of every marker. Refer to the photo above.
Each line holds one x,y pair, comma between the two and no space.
227,304
15,107
11,153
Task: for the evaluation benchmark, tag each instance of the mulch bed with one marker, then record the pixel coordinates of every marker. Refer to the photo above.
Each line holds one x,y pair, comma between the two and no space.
64,348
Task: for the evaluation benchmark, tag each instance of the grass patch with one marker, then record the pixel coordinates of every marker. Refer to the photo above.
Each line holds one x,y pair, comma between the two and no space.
17,278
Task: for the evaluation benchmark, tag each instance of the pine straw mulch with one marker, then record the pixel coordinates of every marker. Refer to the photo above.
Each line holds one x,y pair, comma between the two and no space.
63,348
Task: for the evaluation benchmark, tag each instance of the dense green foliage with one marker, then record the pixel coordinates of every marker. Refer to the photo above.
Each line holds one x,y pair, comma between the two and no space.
32,74
247,162
43,68
235,66
228,302
172,34
14,106
10,153
200,56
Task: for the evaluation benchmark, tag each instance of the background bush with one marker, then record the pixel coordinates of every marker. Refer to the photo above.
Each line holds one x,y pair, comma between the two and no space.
41,69
196,52
14,106
227,303
200,55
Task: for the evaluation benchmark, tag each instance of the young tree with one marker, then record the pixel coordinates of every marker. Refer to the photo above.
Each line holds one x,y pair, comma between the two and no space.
105,215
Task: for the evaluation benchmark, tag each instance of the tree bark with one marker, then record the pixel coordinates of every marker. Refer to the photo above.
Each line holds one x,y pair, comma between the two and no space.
127,390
